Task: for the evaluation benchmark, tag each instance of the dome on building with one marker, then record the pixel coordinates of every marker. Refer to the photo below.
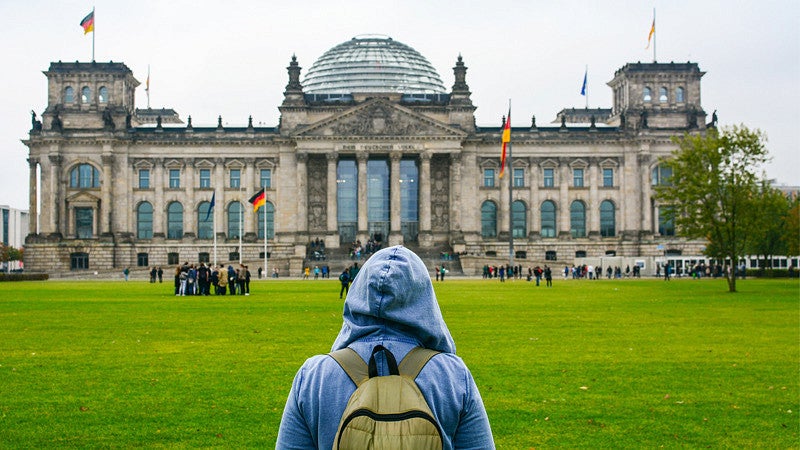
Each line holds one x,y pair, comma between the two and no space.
372,63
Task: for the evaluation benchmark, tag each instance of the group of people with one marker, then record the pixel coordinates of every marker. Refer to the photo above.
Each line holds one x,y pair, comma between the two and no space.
319,272
156,273
191,279
346,277
374,243
316,250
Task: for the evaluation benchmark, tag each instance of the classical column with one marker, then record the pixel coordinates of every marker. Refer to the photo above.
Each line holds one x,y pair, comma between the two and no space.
221,202
159,208
503,219
564,225
646,214
425,235
395,233
456,207
104,221
593,209
189,205
55,203
534,203
33,198
302,193
331,200
363,231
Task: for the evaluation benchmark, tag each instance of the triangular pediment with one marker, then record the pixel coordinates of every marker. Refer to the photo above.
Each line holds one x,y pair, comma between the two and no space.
82,197
379,117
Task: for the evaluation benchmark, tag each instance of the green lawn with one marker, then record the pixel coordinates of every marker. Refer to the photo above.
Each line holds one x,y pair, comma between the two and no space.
611,363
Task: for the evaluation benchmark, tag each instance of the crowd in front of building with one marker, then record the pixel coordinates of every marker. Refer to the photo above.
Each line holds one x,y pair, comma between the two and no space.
199,279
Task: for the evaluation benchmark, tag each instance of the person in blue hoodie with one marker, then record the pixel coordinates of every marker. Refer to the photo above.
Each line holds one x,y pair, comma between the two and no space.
391,303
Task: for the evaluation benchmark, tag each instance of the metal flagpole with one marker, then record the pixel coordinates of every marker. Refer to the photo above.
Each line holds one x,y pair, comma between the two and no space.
654,35
214,227
586,85
94,30
266,258
510,194
241,219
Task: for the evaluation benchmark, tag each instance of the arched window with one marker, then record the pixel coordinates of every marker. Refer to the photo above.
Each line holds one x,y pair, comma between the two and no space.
69,94
84,176
103,95
608,220
666,224
86,94
235,217
647,94
577,219
205,228
548,216
269,210
144,221
488,219
679,95
519,219
662,95
175,221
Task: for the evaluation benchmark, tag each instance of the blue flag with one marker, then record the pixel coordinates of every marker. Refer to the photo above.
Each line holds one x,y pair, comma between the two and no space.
583,88
211,206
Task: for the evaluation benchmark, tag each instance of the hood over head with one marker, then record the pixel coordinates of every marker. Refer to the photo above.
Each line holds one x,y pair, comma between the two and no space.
392,296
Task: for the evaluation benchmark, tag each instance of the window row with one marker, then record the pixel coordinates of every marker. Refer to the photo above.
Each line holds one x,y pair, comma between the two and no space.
548,215
233,226
490,179
234,178
86,95
663,94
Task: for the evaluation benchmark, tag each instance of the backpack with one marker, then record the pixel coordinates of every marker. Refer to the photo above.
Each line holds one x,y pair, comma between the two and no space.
344,278
386,412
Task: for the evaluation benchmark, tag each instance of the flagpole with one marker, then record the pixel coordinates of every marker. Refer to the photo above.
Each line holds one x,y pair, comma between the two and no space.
586,77
510,195
241,219
214,227
266,258
147,88
654,35
94,30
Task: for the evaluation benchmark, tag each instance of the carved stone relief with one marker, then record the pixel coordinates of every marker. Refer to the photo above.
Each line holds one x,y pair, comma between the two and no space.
317,171
440,194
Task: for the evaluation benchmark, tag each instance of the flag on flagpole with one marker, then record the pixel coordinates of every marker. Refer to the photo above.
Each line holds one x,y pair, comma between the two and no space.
652,32
258,199
211,206
583,87
88,23
506,140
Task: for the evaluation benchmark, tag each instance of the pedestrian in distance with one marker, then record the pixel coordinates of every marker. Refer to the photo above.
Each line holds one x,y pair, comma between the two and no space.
344,279
391,311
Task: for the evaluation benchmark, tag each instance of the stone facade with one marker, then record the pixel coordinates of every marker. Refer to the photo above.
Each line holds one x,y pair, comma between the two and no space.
116,191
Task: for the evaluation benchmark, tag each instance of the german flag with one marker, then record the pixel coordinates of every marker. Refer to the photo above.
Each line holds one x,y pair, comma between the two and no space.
506,140
88,23
258,199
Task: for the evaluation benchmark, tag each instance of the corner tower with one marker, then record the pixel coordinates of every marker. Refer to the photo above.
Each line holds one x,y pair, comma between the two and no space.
657,95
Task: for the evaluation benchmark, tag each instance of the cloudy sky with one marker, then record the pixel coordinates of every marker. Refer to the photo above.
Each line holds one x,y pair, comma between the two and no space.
211,58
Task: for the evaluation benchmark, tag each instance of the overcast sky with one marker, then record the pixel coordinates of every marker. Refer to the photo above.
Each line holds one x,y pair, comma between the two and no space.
211,58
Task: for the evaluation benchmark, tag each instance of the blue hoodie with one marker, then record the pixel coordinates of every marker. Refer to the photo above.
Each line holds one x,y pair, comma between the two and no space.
391,303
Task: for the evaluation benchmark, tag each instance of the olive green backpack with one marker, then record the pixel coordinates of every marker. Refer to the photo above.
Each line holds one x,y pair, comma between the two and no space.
386,412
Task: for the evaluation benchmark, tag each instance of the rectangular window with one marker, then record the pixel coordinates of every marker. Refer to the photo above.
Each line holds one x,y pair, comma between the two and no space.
142,260
84,221
608,177
172,259
266,178
144,178
78,261
205,178
577,177
519,177
549,178
488,177
174,178
236,178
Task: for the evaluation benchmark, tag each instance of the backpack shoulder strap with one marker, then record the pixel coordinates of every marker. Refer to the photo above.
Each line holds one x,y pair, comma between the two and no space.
352,364
415,360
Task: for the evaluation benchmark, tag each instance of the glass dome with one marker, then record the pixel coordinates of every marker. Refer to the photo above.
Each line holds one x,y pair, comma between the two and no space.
372,63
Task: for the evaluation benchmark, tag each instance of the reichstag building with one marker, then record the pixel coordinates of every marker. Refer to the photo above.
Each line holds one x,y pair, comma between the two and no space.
370,144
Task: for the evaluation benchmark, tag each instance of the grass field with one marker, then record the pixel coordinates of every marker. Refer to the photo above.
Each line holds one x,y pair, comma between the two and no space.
631,363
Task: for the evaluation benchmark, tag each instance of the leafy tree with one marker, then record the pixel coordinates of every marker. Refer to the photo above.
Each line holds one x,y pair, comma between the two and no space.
714,190
792,230
769,237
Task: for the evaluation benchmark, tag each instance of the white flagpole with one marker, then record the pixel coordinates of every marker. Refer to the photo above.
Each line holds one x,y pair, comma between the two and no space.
266,258
241,219
94,30
214,226
586,77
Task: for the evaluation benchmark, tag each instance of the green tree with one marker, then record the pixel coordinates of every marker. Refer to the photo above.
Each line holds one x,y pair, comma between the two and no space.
714,190
769,237
792,230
